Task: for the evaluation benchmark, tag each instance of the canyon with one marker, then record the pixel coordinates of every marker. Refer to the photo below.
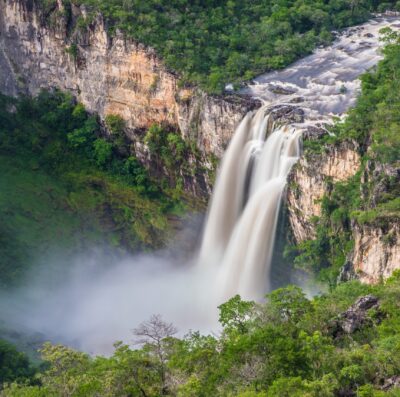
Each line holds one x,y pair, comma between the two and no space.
113,75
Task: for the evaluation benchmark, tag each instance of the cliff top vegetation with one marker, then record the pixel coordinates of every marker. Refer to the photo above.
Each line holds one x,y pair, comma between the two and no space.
215,42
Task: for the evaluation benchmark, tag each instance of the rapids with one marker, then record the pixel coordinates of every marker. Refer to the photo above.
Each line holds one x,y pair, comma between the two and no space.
239,234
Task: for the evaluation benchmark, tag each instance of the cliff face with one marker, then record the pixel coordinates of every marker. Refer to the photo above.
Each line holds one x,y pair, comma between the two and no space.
376,252
309,181
109,75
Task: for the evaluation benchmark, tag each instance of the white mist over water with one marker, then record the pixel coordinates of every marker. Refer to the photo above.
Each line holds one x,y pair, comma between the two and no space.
98,300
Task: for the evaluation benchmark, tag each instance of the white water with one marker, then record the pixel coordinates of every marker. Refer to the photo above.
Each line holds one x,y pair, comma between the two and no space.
240,231
97,301
319,80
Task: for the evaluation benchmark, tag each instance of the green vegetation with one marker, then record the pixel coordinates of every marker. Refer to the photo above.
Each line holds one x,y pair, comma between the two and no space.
288,346
174,156
64,186
14,366
215,42
372,196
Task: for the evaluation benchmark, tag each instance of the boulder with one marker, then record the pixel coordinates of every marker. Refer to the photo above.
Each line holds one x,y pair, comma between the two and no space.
314,133
355,317
391,383
278,89
286,114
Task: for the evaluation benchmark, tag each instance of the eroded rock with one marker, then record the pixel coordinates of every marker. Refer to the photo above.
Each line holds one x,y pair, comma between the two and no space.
355,317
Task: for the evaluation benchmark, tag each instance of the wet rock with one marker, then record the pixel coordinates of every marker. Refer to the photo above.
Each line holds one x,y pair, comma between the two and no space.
355,317
278,89
287,114
368,35
314,133
297,99
391,383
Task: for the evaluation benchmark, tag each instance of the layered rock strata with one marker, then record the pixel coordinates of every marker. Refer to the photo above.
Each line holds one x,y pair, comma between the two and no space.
109,74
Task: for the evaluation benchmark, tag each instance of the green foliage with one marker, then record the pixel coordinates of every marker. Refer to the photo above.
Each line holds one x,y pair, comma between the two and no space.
62,181
179,158
233,315
376,117
213,43
102,152
115,123
283,347
72,50
14,366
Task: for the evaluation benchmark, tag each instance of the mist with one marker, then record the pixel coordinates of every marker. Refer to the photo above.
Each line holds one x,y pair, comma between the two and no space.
94,306
91,300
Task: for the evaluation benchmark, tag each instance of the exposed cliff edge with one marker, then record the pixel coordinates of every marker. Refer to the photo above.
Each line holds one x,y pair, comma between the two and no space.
310,180
376,251
109,75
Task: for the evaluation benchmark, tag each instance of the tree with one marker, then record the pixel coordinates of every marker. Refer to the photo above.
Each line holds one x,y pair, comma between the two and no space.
102,152
14,365
234,314
156,333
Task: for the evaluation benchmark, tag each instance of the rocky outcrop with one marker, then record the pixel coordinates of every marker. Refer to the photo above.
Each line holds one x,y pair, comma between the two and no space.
73,51
210,120
310,180
376,251
355,317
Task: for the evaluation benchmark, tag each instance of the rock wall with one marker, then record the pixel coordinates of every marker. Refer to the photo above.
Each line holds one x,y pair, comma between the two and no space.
309,181
108,74
376,252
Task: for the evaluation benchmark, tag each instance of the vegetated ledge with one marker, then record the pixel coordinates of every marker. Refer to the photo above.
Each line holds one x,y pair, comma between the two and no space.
42,49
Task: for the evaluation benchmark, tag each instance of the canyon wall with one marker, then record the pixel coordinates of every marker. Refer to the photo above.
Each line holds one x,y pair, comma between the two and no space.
376,252
108,74
309,181
116,75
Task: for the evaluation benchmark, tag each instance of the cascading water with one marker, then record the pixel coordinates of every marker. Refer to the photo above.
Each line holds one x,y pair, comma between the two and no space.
240,230
239,234
97,299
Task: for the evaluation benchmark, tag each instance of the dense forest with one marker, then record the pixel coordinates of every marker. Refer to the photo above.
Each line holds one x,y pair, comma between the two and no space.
216,42
70,182
343,343
289,346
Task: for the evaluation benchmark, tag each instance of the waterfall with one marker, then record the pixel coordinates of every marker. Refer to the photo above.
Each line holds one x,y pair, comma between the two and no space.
239,234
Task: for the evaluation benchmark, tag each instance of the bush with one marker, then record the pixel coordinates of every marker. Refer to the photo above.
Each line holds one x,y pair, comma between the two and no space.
102,152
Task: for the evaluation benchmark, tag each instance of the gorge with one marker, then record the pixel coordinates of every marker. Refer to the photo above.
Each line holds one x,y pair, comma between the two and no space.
199,198
115,76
